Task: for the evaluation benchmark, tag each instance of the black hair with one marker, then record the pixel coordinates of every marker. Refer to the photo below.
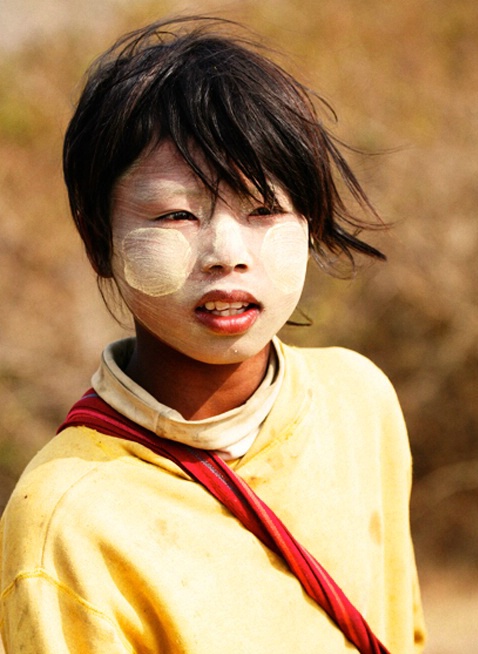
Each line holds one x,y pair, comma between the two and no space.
254,124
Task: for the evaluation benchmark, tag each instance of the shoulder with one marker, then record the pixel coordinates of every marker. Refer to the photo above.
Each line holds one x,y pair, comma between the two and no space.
56,478
337,366
346,385
82,487
63,463
352,400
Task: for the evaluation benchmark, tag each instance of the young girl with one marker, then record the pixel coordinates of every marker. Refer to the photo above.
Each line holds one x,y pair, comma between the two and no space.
200,178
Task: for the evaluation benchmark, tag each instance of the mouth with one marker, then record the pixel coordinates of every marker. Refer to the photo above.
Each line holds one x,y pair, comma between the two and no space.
227,308
228,312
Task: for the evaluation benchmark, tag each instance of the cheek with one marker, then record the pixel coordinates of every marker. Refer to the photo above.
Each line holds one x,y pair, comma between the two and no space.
284,254
156,262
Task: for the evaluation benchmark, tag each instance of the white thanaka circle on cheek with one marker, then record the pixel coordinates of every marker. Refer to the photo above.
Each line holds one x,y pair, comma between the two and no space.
284,253
157,261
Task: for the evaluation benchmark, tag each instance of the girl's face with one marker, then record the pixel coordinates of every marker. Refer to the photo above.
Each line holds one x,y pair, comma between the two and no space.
212,278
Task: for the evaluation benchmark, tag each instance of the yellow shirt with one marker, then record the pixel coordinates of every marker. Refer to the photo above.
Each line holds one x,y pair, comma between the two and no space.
108,547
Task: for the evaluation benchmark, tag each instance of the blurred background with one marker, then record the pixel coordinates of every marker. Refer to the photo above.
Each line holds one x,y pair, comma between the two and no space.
403,78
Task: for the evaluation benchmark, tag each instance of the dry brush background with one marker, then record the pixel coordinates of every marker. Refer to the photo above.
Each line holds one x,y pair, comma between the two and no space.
403,78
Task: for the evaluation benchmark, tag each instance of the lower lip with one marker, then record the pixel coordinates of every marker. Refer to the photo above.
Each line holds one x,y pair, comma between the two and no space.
229,325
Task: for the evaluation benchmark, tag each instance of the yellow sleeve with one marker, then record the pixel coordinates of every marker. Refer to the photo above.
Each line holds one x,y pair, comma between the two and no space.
40,616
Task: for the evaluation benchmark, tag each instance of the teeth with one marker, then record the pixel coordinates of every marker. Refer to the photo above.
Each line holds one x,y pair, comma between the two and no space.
225,308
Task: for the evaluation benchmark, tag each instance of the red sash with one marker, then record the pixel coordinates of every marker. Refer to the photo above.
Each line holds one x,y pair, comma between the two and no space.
231,490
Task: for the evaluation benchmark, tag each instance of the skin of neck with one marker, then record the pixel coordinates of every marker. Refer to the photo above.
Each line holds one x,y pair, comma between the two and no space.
195,389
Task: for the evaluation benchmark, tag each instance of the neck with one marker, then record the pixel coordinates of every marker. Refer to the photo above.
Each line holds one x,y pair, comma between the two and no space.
195,389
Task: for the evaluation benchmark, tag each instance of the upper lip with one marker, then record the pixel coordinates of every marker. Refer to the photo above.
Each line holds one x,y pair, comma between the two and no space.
228,297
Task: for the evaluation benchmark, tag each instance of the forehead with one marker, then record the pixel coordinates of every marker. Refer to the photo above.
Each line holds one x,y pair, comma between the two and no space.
160,170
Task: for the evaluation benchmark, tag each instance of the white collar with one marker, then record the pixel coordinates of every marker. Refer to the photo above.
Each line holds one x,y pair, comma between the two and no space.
230,434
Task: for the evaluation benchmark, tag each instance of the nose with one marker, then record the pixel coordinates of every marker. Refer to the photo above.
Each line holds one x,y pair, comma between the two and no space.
224,245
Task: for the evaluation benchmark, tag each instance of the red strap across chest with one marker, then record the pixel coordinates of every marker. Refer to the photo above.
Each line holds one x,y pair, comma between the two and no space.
231,490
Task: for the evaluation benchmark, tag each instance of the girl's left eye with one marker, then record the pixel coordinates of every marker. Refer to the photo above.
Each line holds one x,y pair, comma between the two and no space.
177,215
264,210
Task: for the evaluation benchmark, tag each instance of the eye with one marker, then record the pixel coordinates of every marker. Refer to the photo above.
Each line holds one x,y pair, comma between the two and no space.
176,216
267,210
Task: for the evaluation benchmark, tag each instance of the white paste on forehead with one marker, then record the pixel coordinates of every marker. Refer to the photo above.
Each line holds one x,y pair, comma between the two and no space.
156,261
284,253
